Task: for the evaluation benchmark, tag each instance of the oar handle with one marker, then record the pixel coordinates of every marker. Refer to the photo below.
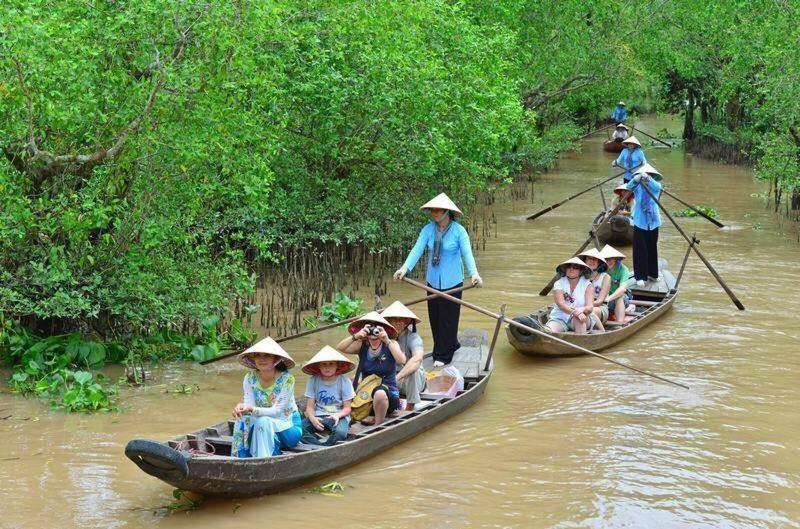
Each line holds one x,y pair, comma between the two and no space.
337,324
501,317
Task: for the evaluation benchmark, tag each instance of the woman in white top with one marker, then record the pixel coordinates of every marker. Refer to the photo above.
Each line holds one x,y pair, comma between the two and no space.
573,295
620,133
601,283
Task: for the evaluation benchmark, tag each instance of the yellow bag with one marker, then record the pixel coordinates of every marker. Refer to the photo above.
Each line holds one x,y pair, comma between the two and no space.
362,402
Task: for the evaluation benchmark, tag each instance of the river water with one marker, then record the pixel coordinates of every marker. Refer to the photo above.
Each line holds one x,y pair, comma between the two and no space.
570,443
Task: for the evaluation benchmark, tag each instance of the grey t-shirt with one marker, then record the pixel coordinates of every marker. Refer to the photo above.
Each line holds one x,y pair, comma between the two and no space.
408,341
329,398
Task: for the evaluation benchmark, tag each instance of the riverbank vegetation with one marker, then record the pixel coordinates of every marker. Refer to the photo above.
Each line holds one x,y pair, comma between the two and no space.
156,154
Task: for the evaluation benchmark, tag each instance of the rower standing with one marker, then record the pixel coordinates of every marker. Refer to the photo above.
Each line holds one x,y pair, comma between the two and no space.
646,221
630,157
620,113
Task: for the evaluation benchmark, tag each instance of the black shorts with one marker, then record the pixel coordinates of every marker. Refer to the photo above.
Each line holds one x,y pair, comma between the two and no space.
394,402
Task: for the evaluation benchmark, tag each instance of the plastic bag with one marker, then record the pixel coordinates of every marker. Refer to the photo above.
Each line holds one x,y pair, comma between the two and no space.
447,383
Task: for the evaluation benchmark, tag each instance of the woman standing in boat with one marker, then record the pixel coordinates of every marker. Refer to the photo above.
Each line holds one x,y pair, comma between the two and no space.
646,221
630,158
620,113
449,250
267,419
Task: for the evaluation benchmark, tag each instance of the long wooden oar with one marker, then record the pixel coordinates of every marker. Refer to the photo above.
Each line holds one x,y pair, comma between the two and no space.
652,137
595,131
576,195
519,325
338,323
694,247
699,212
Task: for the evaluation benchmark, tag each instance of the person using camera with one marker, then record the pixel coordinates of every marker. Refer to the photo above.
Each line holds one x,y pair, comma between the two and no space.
373,339
449,250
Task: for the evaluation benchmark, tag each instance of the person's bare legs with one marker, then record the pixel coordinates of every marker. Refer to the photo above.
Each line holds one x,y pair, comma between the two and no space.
380,405
619,310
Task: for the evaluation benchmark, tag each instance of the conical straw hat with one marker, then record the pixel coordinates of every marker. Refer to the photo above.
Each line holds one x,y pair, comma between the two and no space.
398,310
269,346
328,354
373,317
650,170
571,260
622,126
621,103
633,140
609,252
622,191
593,252
441,201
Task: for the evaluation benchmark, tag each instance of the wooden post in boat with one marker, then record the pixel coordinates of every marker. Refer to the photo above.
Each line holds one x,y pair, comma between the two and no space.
494,337
549,336
694,247
338,323
685,259
576,195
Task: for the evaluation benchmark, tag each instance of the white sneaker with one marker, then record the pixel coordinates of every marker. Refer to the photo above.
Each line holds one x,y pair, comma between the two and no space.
438,363
639,282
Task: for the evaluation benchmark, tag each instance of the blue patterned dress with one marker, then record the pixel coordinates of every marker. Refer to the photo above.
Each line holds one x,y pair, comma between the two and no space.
275,421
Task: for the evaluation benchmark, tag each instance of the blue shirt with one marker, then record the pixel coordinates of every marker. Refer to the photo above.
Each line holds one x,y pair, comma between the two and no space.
629,160
620,114
383,365
456,250
646,214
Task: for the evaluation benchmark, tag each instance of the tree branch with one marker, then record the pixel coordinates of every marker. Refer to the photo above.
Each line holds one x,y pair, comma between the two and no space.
534,98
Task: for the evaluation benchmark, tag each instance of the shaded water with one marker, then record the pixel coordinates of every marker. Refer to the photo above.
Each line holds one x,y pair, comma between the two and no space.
569,443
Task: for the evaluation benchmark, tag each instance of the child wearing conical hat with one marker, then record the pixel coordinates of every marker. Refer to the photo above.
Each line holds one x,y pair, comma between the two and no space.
620,296
329,394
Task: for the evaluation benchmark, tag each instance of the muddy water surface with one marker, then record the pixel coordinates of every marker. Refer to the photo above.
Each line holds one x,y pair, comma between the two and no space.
569,443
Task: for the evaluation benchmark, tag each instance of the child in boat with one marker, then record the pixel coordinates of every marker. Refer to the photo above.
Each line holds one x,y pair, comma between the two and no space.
625,197
573,294
620,297
601,283
267,419
329,394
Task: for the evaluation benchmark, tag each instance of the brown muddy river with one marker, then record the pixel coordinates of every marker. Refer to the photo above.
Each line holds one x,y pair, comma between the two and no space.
569,443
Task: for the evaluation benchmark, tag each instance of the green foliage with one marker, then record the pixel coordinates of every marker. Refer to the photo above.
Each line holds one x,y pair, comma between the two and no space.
333,488
689,212
341,308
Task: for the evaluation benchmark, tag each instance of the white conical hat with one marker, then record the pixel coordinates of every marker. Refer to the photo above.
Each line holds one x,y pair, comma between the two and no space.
621,103
441,201
622,126
398,310
633,140
328,354
609,252
267,345
650,170
373,317
593,252
623,191
571,260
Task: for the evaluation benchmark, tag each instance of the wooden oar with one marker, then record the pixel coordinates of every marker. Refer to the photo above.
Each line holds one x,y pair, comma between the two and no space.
699,212
576,195
592,236
694,247
501,317
338,323
595,131
652,137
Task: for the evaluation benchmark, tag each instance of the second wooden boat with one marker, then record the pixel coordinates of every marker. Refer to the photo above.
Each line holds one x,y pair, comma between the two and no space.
185,462
612,146
616,230
651,301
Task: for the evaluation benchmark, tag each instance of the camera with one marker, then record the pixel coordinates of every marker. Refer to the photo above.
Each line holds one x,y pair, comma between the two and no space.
372,330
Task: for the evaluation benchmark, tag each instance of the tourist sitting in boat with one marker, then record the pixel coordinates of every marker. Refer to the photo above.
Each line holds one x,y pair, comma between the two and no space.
620,297
328,396
620,132
267,420
372,337
573,294
631,158
620,113
625,197
601,283
411,376
646,221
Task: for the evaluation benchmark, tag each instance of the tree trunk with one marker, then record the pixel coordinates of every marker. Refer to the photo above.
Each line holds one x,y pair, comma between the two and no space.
688,123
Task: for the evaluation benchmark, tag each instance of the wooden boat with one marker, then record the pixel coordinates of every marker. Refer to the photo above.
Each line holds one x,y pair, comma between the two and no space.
651,301
612,146
616,230
221,475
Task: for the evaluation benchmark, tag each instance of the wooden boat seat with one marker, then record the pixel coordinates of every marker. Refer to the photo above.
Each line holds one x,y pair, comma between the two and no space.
643,303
